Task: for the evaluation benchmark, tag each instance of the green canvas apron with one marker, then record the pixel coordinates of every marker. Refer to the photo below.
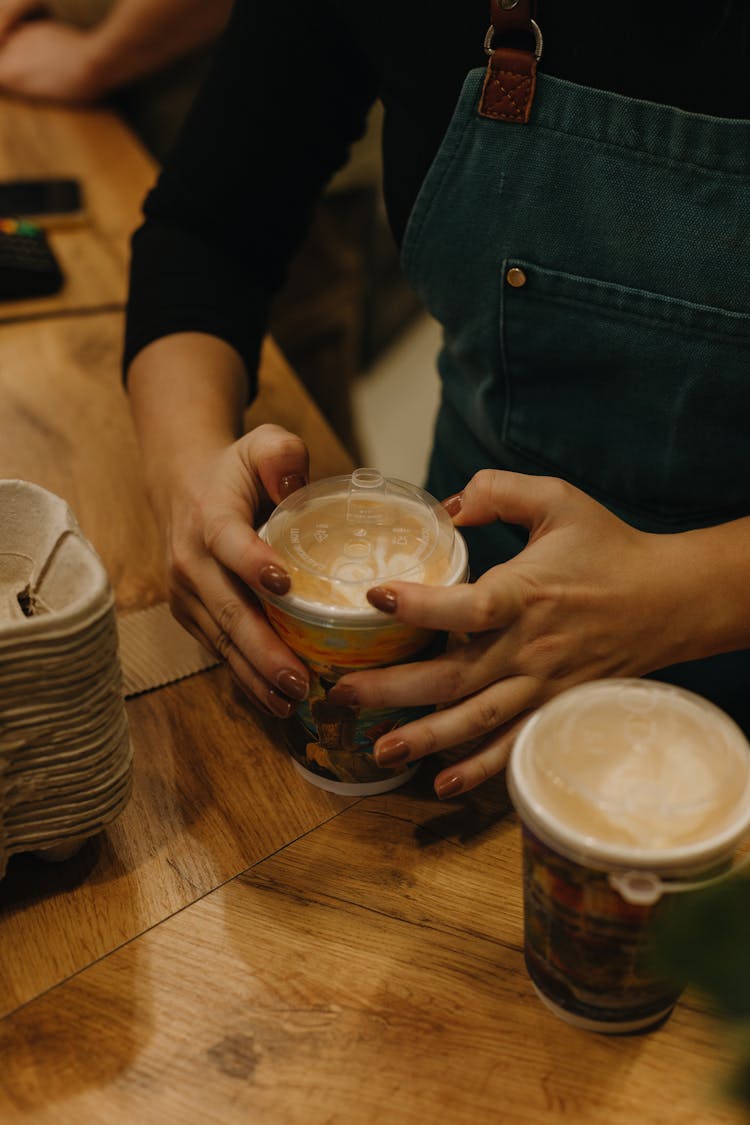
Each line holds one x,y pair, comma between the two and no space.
591,271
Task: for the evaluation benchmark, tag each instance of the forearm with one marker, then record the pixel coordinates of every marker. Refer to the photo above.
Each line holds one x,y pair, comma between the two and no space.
707,573
139,37
187,393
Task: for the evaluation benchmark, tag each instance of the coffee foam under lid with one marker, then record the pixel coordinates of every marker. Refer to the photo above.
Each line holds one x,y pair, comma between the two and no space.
342,535
632,766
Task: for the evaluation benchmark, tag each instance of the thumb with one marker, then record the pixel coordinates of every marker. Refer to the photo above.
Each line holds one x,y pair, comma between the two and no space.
516,498
280,460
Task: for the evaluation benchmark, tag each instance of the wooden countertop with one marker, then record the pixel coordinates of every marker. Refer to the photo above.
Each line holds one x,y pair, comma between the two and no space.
240,946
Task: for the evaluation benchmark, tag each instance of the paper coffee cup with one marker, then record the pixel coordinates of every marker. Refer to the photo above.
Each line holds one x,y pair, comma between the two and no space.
626,790
338,538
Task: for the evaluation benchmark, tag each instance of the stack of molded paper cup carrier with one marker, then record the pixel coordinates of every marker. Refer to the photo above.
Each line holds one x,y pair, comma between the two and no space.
65,755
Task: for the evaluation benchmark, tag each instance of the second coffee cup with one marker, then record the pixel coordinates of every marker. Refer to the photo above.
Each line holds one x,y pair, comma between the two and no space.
337,538
629,791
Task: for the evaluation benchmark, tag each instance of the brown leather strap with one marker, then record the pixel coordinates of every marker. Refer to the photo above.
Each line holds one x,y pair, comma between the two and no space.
510,82
517,18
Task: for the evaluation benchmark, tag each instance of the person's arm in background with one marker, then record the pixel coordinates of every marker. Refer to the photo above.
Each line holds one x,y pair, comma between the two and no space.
51,60
265,133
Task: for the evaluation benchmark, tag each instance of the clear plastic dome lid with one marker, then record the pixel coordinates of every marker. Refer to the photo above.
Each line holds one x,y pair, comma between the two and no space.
632,765
340,536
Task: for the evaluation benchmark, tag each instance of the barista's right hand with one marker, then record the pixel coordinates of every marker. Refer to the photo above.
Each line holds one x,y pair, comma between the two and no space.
216,560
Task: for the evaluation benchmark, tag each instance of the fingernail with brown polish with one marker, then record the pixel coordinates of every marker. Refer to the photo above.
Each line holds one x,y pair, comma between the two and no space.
451,787
280,706
383,599
274,579
343,696
290,484
292,684
454,504
393,754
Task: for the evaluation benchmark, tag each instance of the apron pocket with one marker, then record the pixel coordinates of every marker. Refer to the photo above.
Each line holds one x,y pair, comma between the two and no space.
640,399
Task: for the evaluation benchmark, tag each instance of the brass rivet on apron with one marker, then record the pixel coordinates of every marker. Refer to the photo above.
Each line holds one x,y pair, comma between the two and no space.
515,277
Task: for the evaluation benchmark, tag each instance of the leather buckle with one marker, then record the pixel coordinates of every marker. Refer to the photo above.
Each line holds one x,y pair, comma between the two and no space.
490,47
510,81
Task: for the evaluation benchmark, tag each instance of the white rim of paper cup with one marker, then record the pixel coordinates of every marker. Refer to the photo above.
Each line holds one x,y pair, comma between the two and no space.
592,852
606,1027
356,788
365,617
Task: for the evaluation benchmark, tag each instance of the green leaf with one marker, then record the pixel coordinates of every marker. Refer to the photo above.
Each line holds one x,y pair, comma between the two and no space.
704,938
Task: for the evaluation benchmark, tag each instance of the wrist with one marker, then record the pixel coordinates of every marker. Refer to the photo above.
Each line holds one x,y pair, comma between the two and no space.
702,603
187,394
174,479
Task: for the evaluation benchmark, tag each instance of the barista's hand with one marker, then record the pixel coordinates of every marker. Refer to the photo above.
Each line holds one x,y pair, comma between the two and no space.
49,61
215,559
588,597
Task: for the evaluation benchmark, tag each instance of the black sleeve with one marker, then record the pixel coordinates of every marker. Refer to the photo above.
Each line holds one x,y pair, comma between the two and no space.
286,96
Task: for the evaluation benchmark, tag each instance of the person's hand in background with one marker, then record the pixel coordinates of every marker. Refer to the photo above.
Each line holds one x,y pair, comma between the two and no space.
50,60
588,597
46,60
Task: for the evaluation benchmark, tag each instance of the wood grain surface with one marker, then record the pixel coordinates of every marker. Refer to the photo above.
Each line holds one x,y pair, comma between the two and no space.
371,971
115,173
213,793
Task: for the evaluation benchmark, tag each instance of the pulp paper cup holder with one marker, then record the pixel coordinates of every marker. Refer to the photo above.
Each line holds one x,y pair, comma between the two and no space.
65,755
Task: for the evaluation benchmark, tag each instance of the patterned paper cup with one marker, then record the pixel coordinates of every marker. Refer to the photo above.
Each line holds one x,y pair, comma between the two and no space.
338,537
627,790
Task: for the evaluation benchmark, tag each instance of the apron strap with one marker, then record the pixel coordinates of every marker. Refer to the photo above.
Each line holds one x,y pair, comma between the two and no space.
510,82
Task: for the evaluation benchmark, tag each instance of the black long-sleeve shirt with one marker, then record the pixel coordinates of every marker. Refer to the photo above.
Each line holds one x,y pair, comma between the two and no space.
290,91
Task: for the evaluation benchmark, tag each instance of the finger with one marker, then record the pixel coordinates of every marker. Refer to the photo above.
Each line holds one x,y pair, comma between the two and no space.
484,762
271,704
188,622
279,458
443,679
195,618
231,540
228,617
516,498
487,711
492,602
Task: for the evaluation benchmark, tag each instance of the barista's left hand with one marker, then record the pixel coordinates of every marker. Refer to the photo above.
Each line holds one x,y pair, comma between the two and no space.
588,597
